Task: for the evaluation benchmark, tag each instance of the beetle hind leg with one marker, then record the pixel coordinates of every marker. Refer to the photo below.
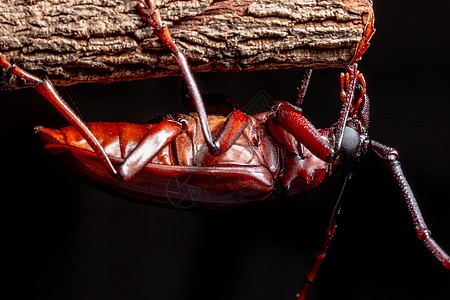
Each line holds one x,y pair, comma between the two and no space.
46,89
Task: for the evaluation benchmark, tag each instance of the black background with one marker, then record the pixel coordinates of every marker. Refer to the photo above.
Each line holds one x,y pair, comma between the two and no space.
66,240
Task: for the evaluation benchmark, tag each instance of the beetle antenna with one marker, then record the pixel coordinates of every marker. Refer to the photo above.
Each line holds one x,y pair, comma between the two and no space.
320,256
390,155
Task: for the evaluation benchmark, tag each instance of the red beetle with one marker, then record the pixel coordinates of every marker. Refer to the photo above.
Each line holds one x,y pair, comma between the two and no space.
250,158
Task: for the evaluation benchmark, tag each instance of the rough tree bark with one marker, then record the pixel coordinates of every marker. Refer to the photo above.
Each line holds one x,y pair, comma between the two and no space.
104,41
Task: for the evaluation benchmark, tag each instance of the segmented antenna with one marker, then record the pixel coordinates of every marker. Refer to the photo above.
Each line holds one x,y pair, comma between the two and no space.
390,155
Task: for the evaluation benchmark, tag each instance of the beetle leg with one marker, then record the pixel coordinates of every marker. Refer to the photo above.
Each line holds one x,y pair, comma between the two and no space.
230,131
351,80
303,86
46,89
304,132
363,44
166,131
390,155
347,96
153,141
359,104
150,13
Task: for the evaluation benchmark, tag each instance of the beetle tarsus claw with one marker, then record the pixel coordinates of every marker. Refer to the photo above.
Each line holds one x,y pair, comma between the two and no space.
363,44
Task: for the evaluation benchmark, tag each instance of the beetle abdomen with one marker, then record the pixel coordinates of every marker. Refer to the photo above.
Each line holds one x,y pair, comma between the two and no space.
183,170
118,139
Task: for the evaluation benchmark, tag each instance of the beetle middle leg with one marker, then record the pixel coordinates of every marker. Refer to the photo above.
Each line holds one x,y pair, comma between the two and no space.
166,131
304,82
156,139
150,13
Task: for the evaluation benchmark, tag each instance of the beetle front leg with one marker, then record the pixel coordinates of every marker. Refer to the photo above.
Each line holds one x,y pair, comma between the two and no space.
46,89
150,13
390,155
304,132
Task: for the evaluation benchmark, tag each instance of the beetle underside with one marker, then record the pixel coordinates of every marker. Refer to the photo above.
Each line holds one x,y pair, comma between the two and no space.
216,161
254,168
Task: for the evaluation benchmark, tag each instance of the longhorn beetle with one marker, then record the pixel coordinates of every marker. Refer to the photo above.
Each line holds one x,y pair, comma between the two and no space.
229,160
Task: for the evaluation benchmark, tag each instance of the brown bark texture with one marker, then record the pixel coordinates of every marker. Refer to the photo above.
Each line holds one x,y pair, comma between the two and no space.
105,41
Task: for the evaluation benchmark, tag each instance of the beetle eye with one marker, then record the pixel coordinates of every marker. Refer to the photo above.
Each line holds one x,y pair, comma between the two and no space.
350,141
358,90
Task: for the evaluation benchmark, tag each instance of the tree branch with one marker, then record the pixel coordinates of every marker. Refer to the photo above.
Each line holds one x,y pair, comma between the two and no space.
105,41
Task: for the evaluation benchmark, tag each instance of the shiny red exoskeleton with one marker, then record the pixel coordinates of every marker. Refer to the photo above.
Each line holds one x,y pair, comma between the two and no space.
217,162
263,161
